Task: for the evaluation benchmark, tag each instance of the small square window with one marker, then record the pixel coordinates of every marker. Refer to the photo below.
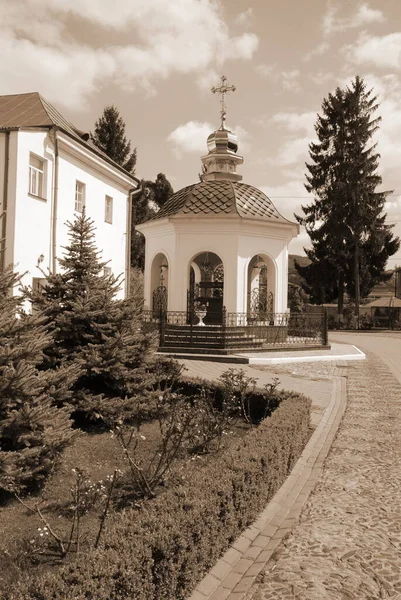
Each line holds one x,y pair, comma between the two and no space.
79,196
36,176
108,209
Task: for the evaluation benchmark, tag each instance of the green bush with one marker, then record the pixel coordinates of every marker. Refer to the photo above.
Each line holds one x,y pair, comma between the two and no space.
163,549
261,403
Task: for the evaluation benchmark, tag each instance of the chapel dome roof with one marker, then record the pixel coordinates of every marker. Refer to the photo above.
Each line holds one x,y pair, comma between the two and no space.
221,197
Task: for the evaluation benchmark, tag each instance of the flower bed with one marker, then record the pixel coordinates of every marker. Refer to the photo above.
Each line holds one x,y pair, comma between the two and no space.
164,548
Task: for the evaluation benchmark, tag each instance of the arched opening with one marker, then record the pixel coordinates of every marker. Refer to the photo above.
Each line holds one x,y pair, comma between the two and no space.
159,283
260,288
206,287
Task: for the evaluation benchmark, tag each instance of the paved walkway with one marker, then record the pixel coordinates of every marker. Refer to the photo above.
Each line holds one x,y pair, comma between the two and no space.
347,542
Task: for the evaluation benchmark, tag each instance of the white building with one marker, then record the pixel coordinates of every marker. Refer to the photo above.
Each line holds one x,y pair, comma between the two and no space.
48,171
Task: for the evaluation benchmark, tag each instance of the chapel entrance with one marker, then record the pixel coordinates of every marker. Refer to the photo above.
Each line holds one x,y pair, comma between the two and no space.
206,288
159,282
260,295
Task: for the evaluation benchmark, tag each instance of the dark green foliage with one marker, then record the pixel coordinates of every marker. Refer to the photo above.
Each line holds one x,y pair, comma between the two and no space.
154,195
162,550
259,402
296,298
32,430
109,137
94,330
346,223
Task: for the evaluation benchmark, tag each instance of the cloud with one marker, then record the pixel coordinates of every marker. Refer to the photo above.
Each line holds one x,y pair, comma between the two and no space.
321,77
191,137
244,18
380,51
295,121
292,152
363,15
66,78
318,51
288,80
40,52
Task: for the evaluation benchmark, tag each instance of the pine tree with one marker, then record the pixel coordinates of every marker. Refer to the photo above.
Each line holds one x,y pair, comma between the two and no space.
109,136
33,431
93,329
350,240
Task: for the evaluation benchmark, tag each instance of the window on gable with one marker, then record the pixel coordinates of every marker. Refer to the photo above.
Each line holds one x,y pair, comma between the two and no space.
36,176
108,209
79,196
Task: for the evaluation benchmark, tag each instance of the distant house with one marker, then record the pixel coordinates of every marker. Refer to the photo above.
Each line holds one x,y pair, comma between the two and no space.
49,171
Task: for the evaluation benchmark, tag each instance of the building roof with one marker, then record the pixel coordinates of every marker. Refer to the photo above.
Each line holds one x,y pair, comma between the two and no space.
32,110
221,197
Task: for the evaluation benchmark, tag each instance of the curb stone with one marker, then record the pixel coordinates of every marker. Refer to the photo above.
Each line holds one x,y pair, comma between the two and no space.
235,573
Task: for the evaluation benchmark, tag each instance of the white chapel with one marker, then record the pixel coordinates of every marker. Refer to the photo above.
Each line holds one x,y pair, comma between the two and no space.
220,241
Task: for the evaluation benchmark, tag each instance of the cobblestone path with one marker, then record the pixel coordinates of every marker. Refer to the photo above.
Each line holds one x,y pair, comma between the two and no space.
347,544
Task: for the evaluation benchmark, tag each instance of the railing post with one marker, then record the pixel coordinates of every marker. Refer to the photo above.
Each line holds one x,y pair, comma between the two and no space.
162,327
223,327
325,336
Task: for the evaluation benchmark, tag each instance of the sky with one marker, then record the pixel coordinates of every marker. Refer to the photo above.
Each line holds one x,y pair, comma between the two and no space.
156,61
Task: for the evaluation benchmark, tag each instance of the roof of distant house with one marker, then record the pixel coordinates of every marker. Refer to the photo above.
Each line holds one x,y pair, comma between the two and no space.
32,110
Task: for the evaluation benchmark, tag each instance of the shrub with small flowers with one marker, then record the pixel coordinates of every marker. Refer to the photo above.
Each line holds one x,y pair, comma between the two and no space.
86,496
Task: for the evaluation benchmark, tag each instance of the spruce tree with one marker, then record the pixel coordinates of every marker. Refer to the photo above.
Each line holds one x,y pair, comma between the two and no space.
93,329
33,431
346,223
109,136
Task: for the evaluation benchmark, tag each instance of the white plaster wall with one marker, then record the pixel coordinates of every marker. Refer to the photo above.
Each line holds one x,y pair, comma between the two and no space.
160,240
31,231
32,214
234,240
110,238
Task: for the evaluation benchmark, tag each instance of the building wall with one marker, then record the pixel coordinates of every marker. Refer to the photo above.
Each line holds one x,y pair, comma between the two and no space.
234,240
30,232
111,239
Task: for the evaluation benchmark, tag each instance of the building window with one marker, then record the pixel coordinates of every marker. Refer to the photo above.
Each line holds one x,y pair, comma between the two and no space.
107,272
108,209
36,176
38,284
79,196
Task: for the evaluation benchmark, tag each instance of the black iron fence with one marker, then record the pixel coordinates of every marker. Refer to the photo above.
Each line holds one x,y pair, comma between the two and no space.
237,330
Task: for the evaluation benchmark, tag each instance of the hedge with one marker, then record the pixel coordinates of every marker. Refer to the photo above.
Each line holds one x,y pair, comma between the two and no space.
162,550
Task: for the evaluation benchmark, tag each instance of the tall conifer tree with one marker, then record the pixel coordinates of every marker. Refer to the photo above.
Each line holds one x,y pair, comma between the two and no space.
346,223
109,136
93,329
33,431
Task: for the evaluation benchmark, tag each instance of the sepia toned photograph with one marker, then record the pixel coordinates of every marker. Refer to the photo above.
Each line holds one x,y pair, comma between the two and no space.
200,300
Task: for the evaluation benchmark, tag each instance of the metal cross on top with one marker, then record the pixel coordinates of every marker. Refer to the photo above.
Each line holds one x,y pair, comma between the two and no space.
223,90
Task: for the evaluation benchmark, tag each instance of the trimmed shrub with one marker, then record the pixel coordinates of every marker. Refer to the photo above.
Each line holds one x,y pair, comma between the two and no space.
163,549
